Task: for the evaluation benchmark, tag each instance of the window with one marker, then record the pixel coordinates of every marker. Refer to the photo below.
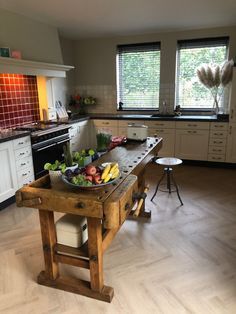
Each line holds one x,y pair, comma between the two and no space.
138,75
190,93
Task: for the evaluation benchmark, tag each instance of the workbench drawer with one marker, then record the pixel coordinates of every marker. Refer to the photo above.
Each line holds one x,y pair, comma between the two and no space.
126,202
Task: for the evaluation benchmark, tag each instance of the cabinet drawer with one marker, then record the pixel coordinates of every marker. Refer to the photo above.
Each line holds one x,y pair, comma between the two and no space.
216,150
217,142
157,132
219,126
105,123
193,125
23,163
25,181
25,173
161,124
125,123
21,142
23,152
218,158
193,132
218,134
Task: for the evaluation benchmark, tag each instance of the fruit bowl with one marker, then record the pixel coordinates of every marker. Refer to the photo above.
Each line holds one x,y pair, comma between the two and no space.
82,187
92,177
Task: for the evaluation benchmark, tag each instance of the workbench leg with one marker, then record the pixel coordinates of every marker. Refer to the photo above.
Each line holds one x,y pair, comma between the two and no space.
49,239
95,253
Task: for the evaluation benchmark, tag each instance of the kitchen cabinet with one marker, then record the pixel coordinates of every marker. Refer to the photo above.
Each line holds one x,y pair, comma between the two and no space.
231,144
191,140
108,126
123,125
217,141
8,182
80,136
166,130
232,101
23,160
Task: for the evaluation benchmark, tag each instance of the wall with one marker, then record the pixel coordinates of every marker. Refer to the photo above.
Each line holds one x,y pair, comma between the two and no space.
35,40
95,63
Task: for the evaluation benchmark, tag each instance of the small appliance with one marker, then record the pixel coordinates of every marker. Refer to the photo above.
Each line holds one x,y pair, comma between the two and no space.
137,132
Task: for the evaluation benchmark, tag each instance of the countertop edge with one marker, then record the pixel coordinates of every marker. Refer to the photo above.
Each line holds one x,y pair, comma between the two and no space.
12,135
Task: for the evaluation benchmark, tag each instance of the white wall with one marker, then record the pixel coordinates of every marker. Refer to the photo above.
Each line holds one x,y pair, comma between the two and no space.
96,63
35,40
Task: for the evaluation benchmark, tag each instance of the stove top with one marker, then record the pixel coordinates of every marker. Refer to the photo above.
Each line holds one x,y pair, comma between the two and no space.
43,129
38,126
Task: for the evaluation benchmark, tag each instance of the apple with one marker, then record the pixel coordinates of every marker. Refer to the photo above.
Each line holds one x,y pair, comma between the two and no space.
89,178
90,170
97,178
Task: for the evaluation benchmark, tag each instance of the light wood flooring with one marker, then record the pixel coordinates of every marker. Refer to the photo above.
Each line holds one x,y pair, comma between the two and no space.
182,261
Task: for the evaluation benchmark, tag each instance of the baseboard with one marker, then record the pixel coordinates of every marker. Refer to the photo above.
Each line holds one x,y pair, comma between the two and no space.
212,164
7,202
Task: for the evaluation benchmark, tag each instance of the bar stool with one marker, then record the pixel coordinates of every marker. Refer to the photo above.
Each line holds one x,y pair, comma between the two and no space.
168,162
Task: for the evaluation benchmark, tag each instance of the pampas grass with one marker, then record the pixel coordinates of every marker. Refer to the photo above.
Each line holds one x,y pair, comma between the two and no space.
216,79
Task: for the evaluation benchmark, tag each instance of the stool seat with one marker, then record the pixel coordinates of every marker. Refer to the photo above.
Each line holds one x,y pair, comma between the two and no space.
169,161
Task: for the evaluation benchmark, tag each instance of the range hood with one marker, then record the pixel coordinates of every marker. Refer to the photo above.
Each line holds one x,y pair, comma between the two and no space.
19,66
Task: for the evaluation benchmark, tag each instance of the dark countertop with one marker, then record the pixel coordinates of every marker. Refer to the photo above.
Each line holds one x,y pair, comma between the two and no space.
11,135
207,118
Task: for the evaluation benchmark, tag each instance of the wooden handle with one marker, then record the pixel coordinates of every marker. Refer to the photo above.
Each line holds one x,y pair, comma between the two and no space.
140,203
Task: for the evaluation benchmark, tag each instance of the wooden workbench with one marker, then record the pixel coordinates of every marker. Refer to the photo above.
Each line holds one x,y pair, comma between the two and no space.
105,208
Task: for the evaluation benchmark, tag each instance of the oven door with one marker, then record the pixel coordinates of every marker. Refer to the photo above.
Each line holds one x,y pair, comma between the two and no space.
47,153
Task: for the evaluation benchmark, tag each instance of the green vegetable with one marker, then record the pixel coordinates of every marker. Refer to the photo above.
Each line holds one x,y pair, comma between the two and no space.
81,180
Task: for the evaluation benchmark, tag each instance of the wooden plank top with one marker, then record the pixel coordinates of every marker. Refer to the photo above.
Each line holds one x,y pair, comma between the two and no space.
129,157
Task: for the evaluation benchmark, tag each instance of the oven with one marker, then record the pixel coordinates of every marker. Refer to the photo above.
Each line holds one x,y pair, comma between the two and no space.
47,142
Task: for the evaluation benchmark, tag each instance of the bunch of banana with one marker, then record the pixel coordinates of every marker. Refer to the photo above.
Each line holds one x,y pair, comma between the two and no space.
111,171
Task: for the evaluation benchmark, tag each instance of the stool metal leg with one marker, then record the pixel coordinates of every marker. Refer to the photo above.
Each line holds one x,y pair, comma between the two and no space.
162,177
177,190
168,172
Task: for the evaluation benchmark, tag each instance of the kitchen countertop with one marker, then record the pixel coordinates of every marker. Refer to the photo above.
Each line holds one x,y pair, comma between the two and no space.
11,135
207,118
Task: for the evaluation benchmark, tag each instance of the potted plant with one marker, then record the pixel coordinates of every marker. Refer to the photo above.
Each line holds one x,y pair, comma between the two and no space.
84,157
54,171
69,163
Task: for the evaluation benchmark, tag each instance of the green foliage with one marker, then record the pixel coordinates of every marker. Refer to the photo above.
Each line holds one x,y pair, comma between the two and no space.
140,79
190,92
68,155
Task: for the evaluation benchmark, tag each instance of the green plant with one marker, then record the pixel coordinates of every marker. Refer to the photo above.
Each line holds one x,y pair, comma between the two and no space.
55,166
68,155
80,157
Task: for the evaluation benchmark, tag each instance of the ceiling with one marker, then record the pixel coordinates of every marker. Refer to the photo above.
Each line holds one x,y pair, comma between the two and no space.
77,19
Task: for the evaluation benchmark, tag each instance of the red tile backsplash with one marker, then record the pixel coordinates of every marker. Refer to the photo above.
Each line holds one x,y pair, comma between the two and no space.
19,102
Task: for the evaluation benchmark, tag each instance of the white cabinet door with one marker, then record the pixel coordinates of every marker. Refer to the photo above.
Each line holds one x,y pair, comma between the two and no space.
191,144
231,144
232,101
168,144
8,182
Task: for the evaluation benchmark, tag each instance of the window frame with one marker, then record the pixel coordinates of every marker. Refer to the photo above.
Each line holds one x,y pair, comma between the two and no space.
195,43
131,47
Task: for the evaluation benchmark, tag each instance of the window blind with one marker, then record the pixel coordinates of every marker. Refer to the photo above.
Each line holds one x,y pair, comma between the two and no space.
191,54
138,75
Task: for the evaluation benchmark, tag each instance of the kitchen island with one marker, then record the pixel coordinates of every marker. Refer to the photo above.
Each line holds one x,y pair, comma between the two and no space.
106,210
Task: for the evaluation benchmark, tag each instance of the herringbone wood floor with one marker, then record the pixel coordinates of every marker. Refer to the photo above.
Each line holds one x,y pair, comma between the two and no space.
182,261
